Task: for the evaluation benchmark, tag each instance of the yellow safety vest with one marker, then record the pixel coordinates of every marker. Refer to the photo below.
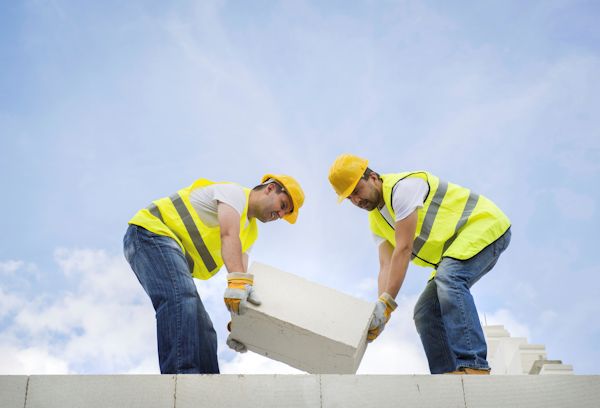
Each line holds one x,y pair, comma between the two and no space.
453,222
175,217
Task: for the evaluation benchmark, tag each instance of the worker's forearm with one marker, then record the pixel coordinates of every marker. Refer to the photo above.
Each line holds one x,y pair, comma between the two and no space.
231,252
397,272
382,279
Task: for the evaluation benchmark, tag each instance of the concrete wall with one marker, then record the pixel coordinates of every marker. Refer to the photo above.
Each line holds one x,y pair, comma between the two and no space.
291,391
514,355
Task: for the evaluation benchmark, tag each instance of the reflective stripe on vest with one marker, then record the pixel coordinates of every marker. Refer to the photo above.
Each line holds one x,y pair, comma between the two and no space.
153,208
446,224
175,217
429,218
193,232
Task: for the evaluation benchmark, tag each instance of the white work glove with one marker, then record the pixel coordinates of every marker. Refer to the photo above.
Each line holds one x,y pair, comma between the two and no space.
384,307
236,345
239,291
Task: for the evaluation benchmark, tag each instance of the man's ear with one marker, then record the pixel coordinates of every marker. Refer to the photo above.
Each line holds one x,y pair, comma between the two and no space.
270,187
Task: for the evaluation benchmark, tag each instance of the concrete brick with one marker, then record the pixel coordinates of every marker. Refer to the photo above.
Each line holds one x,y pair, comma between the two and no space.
12,391
304,324
300,391
495,331
381,391
532,391
506,358
255,391
530,353
556,369
99,391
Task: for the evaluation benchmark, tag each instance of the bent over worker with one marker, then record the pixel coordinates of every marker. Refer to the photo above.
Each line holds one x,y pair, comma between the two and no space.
460,234
191,234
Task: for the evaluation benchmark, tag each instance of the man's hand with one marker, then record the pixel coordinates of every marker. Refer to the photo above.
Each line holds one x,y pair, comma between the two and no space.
384,307
239,291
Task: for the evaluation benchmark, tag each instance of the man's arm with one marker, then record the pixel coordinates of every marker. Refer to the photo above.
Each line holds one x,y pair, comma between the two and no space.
245,260
231,246
385,257
393,264
405,233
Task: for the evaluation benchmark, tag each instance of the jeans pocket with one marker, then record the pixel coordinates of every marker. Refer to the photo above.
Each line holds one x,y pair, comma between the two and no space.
156,240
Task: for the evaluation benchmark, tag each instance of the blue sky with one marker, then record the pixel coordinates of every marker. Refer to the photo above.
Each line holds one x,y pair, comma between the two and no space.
107,106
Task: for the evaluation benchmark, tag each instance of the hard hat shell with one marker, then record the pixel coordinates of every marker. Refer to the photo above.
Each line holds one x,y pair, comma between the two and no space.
294,191
345,173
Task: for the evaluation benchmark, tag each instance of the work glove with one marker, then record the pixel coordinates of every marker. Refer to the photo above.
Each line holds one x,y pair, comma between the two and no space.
234,344
384,307
239,291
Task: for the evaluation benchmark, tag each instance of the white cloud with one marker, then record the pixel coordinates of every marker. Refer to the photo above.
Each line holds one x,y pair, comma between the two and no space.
504,317
104,325
30,360
9,303
18,271
10,266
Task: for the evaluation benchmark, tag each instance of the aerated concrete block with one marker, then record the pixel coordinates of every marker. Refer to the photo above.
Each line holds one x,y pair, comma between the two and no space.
557,369
382,391
254,391
12,391
532,391
506,358
304,324
530,353
101,391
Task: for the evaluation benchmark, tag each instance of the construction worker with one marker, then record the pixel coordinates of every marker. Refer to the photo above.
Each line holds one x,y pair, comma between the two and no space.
460,234
192,234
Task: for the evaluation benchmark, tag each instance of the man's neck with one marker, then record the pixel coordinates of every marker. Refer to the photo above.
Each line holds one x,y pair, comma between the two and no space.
251,201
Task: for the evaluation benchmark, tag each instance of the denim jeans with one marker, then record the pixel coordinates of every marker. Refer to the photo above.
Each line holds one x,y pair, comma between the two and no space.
187,342
445,314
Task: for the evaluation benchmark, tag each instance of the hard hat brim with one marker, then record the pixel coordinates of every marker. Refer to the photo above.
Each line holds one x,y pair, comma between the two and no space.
291,217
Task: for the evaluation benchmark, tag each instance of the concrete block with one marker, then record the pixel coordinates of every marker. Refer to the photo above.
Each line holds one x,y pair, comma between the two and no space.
12,391
507,358
254,391
495,331
532,391
381,391
553,369
99,391
530,353
304,324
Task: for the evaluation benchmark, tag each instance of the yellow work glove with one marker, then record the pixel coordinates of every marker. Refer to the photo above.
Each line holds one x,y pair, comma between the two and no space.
384,307
239,291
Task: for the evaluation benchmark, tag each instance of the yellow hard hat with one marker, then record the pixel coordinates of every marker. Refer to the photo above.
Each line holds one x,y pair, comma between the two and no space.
293,189
345,173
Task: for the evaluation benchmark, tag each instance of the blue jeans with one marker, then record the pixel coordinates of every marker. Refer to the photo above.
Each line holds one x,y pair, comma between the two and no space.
446,316
187,342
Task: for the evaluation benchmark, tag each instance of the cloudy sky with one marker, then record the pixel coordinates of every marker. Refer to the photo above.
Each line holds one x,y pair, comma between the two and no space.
105,106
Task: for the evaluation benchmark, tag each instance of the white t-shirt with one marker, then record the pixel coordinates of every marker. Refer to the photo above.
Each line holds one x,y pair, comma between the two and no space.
407,195
205,201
